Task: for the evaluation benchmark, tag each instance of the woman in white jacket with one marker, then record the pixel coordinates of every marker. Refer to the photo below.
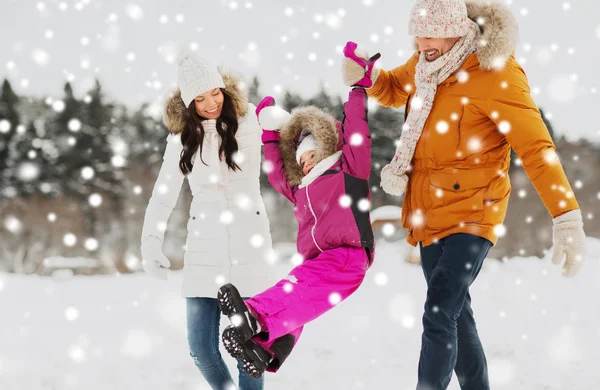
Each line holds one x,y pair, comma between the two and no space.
214,141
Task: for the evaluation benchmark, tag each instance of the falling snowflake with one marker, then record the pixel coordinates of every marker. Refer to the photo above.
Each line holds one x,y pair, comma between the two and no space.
364,205
58,105
243,202
500,230
381,279
40,57
220,280
257,240
356,139
417,219
28,171
87,173
91,244
71,313
289,11
442,127
76,353
335,298
74,125
70,239
13,224
333,21
416,103
388,229
226,217
474,144
132,262
550,156
95,200
118,161
345,201
239,157
296,259
51,217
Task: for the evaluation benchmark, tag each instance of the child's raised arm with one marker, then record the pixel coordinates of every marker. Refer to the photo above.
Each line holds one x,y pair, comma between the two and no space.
271,119
356,150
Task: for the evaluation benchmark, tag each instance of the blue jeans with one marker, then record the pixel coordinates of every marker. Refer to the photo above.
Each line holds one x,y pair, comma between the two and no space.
203,320
450,340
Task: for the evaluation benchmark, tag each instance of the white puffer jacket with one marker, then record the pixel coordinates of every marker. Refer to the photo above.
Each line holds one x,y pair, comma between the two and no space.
228,239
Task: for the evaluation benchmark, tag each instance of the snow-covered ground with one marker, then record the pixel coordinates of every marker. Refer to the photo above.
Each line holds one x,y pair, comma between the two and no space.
540,331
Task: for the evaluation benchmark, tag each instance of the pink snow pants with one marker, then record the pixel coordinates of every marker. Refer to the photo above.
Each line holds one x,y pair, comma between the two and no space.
309,291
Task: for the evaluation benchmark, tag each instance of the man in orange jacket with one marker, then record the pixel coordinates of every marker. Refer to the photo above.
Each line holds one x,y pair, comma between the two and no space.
467,103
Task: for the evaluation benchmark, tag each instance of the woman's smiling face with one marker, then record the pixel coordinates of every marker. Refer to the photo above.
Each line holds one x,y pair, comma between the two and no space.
209,104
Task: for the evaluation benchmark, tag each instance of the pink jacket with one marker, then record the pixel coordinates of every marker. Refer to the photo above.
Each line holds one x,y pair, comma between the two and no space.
333,200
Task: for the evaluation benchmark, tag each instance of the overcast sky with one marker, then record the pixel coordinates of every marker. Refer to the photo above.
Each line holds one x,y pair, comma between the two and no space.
130,46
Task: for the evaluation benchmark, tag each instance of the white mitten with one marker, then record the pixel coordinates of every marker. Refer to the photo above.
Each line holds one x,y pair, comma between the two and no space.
273,118
155,263
569,242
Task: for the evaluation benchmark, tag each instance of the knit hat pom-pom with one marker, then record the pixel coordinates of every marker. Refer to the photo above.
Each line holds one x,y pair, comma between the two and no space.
392,183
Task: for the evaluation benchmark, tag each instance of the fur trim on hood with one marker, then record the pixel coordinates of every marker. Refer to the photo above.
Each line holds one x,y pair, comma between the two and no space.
321,125
173,117
498,28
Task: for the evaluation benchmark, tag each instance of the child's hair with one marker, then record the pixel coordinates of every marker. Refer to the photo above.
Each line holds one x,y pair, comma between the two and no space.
192,136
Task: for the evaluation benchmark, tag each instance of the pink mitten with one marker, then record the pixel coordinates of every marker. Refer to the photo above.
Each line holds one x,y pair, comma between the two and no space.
265,102
358,71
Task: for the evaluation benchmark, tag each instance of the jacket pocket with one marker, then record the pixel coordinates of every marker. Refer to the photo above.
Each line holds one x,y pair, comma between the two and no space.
456,198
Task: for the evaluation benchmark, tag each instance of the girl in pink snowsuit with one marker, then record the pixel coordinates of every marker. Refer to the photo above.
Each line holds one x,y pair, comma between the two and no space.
322,166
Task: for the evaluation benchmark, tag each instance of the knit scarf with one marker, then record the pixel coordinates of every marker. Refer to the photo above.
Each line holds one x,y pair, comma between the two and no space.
428,76
216,170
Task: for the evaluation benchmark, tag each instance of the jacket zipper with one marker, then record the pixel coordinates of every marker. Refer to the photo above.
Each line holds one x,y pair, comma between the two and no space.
312,231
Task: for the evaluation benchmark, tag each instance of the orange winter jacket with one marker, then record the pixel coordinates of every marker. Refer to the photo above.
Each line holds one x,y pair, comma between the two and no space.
459,181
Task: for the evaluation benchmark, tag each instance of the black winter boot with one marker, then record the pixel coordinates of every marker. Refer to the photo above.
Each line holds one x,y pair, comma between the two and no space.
243,324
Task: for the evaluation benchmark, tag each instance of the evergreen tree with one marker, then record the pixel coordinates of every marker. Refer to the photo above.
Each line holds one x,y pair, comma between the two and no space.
254,96
9,121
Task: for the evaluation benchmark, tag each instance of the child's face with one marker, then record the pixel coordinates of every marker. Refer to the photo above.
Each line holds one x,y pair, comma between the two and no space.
307,161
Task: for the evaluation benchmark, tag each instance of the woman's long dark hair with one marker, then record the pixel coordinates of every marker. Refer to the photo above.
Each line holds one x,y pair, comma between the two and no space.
192,136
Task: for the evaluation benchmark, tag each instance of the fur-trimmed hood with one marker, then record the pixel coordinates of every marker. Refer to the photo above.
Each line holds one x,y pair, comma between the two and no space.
173,117
323,126
499,32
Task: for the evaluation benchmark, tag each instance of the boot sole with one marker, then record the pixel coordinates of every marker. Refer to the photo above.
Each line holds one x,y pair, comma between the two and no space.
250,365
232,341
230,301
231,304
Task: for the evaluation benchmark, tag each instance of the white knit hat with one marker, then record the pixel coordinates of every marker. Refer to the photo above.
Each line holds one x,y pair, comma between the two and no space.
308,143
196,75
439,19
